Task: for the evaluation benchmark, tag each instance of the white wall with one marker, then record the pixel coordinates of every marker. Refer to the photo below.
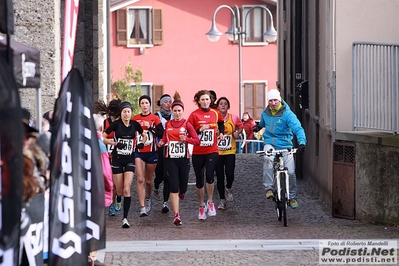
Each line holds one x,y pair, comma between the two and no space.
359,20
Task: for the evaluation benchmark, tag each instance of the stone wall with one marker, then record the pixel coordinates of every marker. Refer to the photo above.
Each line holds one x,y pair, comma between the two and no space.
37,24
40,24
377,183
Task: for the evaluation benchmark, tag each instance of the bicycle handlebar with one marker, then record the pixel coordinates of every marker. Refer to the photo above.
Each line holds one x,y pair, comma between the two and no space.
274,152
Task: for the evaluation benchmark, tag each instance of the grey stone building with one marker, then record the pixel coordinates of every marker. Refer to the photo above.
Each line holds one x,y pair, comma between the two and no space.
40,24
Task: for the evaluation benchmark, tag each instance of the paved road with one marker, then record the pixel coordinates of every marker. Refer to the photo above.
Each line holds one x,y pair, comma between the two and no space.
247,232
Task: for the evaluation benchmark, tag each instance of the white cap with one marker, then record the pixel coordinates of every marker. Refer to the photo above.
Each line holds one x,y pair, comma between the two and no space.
273,94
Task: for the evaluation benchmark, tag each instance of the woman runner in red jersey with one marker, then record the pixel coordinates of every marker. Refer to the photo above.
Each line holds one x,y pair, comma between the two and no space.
146,158
177,135
206,121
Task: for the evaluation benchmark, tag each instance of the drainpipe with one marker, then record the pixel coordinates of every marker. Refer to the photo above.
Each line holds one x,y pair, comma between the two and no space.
108,75
334,77
334,106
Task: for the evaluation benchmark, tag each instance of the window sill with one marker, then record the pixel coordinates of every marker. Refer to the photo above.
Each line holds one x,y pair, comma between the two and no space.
255,43
140,45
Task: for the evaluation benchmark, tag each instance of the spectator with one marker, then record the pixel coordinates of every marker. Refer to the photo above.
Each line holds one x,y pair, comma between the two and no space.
248,123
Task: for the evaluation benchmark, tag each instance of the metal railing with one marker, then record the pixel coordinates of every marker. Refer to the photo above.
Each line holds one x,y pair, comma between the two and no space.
250,146
375,86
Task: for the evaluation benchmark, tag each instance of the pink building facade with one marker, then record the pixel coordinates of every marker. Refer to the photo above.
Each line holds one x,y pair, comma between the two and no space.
167,40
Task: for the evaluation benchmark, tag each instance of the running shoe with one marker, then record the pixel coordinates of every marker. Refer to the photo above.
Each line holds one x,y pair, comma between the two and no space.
125,223
118,206
148,204
222,204
143,212
211,208
111,210
165,208
157,196
229,194
202,213
293,203
182,196
177,220
269,194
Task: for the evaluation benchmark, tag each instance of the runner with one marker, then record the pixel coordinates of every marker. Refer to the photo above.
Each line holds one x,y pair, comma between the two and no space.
165,114
113,113
146,159
227,152
178,134
125,130
206,121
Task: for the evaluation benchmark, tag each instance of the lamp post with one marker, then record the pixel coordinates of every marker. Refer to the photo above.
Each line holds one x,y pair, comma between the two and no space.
236,30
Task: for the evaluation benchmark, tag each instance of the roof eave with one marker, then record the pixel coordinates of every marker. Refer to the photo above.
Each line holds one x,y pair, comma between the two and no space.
118,4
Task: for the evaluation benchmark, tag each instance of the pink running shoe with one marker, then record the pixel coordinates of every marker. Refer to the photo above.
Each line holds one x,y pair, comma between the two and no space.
202,213
211,208
177,220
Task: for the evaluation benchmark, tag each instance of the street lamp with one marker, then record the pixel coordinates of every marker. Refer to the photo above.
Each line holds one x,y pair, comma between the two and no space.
271,33
214,35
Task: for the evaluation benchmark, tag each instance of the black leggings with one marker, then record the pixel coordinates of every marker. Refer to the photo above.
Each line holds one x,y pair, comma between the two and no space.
208,161
177,171
160,175
226,164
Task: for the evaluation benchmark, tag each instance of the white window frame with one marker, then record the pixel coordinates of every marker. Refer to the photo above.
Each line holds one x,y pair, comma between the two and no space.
150,90
245,9
149,28
262,81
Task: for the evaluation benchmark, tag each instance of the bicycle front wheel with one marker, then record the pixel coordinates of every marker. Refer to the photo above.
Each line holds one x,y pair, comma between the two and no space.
284,198
279,208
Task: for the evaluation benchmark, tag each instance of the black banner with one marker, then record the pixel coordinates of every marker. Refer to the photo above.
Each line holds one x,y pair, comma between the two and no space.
33,239
77,212
11,166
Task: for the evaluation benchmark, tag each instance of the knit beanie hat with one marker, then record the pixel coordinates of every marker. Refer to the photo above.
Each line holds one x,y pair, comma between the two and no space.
145,97
273,94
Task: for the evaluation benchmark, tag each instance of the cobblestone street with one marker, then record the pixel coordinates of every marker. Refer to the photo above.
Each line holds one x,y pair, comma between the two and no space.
249,217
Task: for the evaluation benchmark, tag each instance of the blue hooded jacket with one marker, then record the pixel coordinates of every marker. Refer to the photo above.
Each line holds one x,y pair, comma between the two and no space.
281,127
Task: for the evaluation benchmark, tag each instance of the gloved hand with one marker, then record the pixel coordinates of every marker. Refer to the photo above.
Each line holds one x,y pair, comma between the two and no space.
301,148
256,128
152,130
140,146
121,145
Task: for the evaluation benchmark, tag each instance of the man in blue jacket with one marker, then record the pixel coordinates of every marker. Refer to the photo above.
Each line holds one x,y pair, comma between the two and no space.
280,125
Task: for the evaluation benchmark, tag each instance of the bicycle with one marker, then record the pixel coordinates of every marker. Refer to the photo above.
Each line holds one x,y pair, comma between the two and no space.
281,181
